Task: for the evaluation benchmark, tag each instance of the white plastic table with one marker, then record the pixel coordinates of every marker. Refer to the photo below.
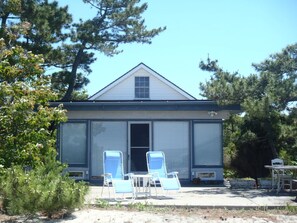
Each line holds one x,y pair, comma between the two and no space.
142,184
278,169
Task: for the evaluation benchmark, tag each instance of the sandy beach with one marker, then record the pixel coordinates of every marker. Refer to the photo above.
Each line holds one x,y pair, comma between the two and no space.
194,216
164,215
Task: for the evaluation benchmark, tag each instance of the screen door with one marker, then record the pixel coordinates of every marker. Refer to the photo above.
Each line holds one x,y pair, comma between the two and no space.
139,145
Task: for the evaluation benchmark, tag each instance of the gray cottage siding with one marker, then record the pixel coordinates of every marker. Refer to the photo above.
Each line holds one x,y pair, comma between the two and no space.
187,130
181,158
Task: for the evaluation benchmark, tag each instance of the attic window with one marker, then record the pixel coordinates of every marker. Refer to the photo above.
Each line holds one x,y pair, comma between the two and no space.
142,87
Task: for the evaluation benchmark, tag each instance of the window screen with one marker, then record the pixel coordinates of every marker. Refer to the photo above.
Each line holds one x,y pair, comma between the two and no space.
208,144
74,144
173,139
107,136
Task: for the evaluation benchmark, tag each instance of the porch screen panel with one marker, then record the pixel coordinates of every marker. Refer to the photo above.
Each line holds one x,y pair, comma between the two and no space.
107,135
208,144
74,144
173,139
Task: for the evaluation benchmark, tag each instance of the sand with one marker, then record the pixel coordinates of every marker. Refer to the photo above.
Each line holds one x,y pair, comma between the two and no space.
214,215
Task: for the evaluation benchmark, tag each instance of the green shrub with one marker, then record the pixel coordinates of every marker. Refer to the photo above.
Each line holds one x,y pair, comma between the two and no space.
44,189
230,173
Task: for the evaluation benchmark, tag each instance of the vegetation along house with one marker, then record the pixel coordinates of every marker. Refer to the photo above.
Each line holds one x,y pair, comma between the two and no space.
138,112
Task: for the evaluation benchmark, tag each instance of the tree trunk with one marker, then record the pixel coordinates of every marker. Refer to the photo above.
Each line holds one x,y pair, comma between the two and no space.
273,149
67,96
269,129
3,28
3,22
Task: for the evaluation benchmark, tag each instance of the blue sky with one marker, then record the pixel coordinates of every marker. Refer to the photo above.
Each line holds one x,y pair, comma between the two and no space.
235,32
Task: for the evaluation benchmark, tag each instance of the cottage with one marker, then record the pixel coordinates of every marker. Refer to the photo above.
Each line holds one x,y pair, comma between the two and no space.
139,112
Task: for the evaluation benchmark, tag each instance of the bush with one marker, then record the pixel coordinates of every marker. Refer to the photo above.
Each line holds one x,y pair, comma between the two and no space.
44,189
230,173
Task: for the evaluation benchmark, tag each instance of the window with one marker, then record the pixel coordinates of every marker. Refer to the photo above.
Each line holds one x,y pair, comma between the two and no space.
172,137
208,144
142,87
74,144
107,135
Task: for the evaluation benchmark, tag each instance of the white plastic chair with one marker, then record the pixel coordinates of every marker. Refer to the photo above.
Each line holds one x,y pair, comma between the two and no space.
280,178
113,174
156,166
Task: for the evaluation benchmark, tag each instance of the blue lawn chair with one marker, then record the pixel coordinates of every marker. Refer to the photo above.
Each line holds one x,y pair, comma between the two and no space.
113,174
156,166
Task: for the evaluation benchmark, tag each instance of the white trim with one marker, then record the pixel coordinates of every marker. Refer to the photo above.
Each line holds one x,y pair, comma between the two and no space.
170,84
131,72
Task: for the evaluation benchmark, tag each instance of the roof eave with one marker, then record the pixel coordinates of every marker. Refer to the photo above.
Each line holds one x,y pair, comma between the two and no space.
188,105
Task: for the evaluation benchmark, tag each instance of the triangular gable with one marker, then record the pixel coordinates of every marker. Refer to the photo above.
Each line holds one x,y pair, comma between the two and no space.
123,87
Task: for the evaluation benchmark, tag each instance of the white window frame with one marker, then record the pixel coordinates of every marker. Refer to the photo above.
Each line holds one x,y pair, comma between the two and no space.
145,88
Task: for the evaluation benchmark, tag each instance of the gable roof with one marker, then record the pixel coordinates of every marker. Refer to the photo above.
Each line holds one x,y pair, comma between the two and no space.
133,71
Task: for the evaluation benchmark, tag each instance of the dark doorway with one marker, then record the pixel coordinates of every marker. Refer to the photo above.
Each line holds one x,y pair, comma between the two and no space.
139,145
